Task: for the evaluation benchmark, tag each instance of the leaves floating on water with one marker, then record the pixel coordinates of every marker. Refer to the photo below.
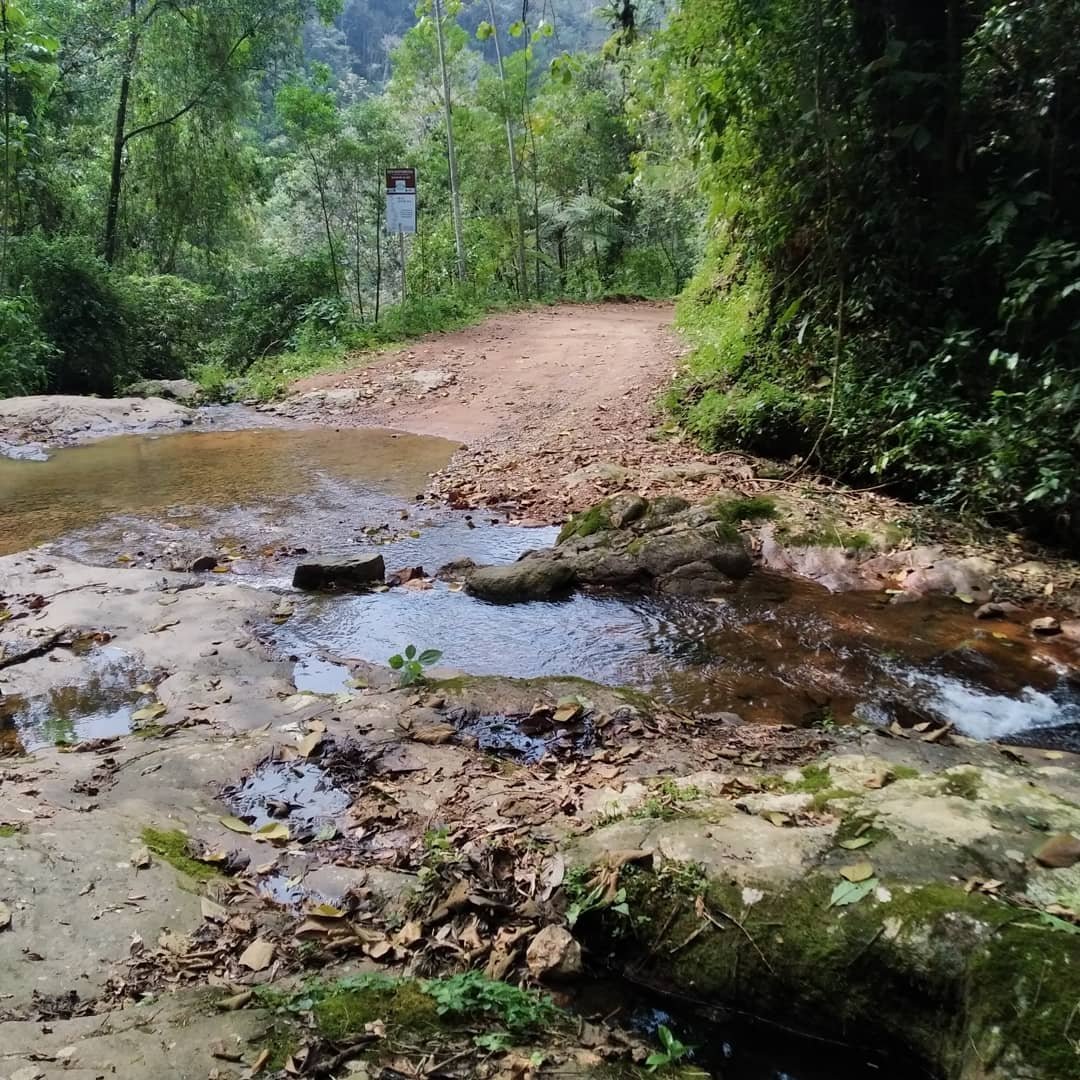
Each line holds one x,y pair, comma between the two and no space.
236,824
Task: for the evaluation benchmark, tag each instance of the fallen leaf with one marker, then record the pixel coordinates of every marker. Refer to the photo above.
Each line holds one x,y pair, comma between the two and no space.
5,916
851,892
274,831
856,842
777,818
164,626
1059,852
434,734
308,743
258,1064
141,859
237,1001
236,824
258,954
326,911
858,872
149,712
213,912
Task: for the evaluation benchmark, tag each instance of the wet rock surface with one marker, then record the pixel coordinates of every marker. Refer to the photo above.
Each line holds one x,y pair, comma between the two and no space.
334,574
273,837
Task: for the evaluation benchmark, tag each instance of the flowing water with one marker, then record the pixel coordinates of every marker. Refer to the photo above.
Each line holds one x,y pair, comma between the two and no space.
777,649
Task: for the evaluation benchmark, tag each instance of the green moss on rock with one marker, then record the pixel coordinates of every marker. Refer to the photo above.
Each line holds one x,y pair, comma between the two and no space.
172,846
595,519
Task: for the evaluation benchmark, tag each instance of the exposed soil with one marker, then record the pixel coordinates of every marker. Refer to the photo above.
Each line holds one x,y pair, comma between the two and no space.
560,407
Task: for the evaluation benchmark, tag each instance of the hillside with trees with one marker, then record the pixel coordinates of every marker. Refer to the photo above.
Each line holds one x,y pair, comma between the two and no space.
870,215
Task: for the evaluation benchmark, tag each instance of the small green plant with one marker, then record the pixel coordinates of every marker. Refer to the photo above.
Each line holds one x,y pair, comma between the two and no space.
673,1051
410,664
473,995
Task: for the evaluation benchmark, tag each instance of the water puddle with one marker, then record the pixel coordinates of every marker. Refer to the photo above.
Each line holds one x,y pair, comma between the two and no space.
100,706
299,794
728,1048
527,737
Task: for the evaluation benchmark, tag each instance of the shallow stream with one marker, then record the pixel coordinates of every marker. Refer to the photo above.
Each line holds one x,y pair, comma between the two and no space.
777,649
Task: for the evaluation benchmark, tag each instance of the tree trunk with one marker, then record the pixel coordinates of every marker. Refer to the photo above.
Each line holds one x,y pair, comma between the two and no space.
5,209
326,220
378,252
522,271
116,176
455,193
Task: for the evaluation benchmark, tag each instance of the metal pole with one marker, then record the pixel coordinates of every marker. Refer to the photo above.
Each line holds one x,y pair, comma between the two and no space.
455,192
401,252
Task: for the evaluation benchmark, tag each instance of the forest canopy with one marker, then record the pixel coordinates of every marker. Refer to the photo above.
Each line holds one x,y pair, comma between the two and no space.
870,213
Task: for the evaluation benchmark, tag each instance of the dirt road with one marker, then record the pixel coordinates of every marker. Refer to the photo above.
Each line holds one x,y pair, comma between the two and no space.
555,406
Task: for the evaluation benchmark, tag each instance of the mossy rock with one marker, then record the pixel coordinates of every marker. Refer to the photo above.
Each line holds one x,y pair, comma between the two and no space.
970,987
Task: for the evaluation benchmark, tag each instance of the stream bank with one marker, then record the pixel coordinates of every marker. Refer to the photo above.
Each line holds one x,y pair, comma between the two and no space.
254,843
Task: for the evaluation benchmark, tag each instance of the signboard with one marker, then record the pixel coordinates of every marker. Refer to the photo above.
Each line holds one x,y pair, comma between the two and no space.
401,201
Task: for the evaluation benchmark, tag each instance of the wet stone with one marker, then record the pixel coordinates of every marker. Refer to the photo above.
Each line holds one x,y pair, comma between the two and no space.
297,793
335,574
526,737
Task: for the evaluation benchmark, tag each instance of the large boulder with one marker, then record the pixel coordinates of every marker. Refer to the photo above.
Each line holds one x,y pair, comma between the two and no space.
528,579
182,390
355,573
662,553
697,579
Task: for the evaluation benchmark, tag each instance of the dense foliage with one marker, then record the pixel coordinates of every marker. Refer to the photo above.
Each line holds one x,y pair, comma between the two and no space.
197,187
894,277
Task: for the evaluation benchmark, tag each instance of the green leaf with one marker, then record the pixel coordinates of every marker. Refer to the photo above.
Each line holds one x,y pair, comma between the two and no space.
517,28
851,892
410,652
430,656
397,662
857,842
236,825
484,31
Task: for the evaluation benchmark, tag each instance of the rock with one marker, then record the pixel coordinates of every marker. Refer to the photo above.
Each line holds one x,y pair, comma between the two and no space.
601,472
605,567
430,380
699,579
455,570
183,390
554,954
625,508
1047,626
202,565
340,573
1059,852
667,506
664,553
998,610
528,579
692,471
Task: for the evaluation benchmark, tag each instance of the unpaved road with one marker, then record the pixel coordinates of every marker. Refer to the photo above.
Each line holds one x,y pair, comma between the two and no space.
556,407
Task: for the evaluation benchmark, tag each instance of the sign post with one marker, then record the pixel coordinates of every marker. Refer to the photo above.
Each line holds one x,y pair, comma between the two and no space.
401,210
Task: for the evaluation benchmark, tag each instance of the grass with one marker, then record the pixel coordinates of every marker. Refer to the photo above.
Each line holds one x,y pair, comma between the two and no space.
8,831
171,846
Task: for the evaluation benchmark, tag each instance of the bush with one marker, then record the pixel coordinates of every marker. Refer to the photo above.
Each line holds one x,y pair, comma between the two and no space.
25,352
269,305
170,324
82,314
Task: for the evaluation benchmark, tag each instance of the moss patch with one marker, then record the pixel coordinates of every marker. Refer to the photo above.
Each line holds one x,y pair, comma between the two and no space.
595,519
963,785
171,846
743,508
401,1004
8,831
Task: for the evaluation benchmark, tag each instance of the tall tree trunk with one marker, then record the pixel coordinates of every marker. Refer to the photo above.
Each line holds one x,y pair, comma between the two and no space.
356,245
522,271
451,153
326,220
378,251
116,176
5,208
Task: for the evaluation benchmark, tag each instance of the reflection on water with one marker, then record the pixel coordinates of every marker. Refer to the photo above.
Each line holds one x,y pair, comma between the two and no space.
174,476
98,707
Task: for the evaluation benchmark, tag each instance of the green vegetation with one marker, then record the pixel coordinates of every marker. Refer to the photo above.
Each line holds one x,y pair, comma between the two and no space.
733,511
892,286
173,846
198,188
8,831
672,1053
963,785
410,664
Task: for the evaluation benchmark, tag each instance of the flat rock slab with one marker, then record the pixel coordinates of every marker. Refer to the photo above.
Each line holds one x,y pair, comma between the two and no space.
59,420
